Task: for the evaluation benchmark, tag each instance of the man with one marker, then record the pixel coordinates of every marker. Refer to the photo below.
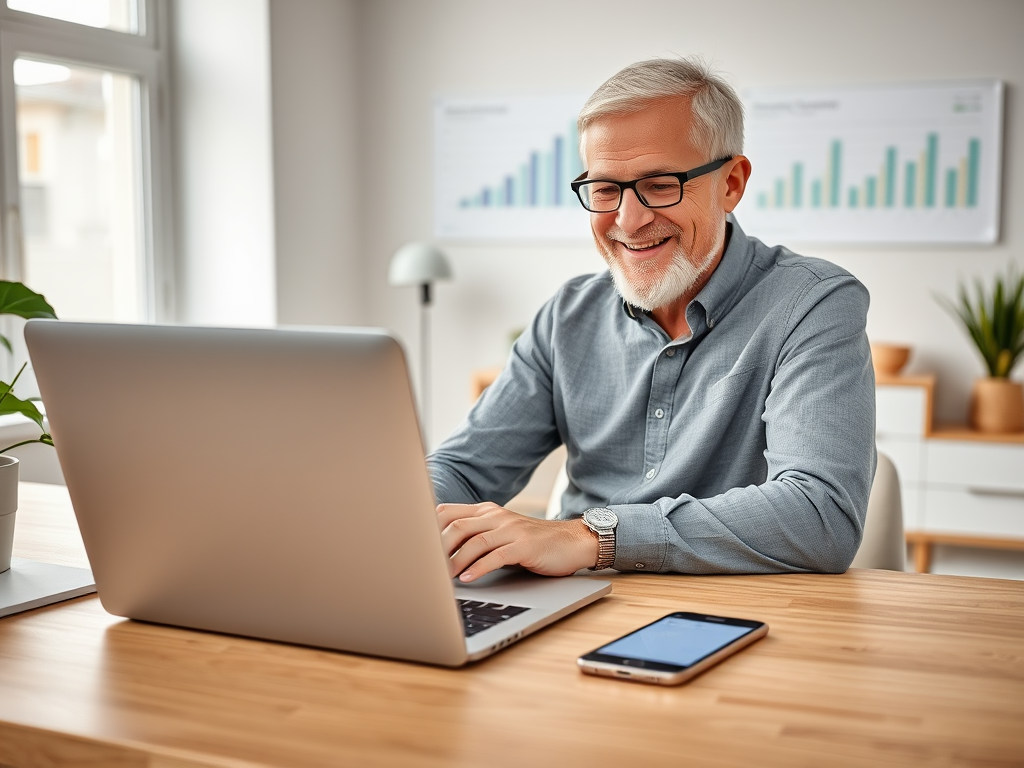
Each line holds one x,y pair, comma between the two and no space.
715,395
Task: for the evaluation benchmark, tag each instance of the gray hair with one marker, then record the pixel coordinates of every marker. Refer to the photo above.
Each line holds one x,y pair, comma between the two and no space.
717,110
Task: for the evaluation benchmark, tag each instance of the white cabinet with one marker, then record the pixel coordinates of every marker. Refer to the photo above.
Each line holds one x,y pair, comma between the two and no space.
958,487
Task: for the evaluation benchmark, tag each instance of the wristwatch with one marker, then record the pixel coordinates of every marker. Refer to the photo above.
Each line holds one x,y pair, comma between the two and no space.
602,521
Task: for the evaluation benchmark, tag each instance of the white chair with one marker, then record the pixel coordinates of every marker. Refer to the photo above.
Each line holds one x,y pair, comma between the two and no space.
883,545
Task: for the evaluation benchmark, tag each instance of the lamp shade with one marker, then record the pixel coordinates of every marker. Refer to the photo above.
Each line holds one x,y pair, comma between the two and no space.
418,263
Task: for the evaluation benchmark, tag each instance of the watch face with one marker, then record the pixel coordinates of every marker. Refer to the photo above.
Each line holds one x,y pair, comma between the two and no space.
601,518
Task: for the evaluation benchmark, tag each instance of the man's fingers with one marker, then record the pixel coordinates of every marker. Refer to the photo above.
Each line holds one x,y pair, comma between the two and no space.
477,547
448,513
492,561
458,531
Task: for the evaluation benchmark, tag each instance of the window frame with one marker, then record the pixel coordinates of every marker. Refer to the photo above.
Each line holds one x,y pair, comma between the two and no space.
142,55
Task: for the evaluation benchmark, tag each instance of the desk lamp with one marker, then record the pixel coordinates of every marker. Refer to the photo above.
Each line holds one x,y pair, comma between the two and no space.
421,264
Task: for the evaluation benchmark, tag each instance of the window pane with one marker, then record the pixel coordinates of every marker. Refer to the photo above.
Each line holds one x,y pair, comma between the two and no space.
80,215
118,15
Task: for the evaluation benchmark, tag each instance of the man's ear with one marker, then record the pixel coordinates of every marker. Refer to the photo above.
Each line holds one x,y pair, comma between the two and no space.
737,175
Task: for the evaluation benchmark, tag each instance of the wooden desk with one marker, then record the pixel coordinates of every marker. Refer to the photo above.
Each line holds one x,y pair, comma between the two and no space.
865,669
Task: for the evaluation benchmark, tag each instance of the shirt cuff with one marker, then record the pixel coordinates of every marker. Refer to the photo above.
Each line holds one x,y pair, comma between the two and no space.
641,538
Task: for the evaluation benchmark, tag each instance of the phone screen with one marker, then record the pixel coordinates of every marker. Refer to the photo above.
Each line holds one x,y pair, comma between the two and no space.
676,640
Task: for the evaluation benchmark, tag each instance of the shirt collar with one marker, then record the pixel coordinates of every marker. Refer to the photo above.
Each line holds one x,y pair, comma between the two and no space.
723,289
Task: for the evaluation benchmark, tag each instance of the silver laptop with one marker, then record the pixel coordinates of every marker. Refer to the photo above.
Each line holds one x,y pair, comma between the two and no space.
272,484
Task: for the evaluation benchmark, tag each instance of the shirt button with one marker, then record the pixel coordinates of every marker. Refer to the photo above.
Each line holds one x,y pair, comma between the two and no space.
659,413
650,474
670,353
639,566
711,323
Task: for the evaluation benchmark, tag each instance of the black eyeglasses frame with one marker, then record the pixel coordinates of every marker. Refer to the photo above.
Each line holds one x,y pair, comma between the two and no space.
683,177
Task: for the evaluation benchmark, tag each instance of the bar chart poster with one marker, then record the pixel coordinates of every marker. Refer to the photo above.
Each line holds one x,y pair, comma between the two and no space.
874,164
503,167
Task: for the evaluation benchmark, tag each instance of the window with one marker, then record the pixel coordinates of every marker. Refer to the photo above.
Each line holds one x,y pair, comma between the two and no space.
84,190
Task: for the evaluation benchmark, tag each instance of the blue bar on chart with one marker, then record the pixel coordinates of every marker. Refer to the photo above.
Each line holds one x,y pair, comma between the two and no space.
890,177
930,169
973,161
951,187
909,184
834,173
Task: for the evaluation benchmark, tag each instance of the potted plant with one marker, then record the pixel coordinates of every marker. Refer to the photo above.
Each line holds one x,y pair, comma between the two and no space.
16,299
995,323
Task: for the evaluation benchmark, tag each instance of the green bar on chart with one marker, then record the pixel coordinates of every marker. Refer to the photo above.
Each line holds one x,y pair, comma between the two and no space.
780,193
837,154
931,170
853,197
762,199
890,177
973,163
909,181
951,187
870,190
798,184
816,193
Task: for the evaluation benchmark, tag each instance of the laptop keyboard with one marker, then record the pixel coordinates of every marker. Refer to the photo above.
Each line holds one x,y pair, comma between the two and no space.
478,616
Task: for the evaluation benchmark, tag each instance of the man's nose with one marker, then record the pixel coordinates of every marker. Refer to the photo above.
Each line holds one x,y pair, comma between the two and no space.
632,214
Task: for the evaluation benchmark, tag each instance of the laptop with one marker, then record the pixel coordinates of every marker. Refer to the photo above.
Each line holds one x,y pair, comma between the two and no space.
270,484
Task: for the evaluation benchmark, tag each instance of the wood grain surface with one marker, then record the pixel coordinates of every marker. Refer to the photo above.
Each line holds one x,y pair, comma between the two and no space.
867,668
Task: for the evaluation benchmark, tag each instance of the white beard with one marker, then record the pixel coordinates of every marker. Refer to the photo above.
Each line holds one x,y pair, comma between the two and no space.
650,291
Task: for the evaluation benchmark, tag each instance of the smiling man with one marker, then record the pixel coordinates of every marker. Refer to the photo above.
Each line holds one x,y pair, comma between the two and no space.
715,394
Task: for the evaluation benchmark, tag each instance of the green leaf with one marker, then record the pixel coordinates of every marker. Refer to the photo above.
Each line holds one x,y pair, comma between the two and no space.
994,322
16,299
7,343
9,403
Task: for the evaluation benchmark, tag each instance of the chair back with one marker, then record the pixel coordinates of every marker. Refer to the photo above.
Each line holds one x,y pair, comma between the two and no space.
883,546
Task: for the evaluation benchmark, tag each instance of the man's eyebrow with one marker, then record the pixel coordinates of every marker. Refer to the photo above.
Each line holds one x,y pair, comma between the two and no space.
653,172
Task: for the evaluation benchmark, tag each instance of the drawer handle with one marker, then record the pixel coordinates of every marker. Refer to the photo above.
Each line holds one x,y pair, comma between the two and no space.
1011,492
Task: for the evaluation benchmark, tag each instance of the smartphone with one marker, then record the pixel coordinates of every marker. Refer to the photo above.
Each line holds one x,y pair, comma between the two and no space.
673,649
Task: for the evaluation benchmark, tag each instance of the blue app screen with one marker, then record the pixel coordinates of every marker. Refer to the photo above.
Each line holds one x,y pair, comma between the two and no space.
675,641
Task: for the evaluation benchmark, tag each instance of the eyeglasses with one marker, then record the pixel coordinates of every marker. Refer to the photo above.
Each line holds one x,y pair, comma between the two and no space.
662,190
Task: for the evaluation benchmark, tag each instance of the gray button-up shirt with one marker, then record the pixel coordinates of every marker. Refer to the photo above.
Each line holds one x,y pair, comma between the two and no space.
746,447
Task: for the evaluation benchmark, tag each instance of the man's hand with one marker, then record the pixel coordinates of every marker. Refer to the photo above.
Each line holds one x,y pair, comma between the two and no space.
480,538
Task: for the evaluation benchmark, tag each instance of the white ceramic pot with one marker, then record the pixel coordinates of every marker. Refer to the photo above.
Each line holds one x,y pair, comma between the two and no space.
8,508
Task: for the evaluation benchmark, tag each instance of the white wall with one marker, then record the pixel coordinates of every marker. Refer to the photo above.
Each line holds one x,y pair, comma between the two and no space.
316,169
411,50
224,186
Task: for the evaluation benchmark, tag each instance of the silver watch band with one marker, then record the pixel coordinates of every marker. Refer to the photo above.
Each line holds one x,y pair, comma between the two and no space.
605,550
603,522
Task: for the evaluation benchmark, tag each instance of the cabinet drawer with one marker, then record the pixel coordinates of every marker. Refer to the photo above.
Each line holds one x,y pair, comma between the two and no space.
900,410
977,466
980,514
910,499
906,453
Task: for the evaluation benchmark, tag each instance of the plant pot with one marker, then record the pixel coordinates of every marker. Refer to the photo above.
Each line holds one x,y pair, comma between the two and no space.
8,506
997,405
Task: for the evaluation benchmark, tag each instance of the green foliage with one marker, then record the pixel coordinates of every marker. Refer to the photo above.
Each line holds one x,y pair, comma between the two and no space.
16,299
995,322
